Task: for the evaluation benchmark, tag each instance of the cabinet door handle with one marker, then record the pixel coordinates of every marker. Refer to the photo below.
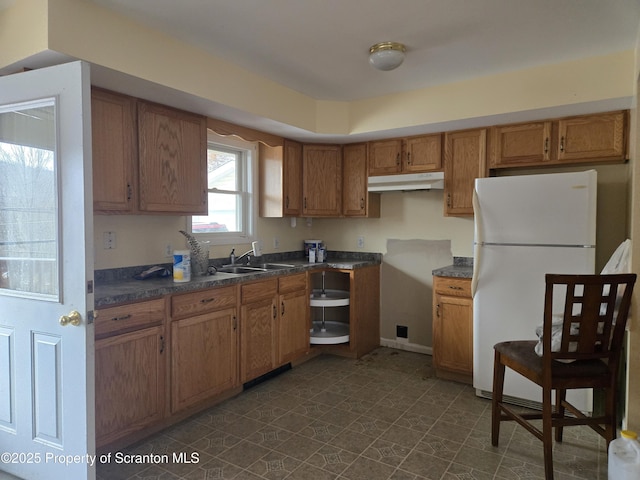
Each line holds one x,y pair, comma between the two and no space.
207,300
275,311
282,306
286,202
235,323
408,158
398,159
362,204
448,199
161,343
562,144
546,145
123,317
129,191
305,202
454,287
438,310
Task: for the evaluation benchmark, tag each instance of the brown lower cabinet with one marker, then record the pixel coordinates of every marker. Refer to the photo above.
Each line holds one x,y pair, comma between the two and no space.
293,325
158,361
130,369
258,332
204,345
453,328
275,324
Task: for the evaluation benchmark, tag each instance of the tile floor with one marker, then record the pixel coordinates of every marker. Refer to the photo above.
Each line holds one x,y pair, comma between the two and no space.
384,416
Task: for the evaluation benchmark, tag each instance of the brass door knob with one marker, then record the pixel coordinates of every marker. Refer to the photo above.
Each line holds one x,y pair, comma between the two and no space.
74,318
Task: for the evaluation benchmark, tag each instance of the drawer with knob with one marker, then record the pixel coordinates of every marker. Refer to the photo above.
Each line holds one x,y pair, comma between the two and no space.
129,317
202,301
459,287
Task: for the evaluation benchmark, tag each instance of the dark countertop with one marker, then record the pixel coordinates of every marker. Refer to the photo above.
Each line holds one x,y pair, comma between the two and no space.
462,267
123,290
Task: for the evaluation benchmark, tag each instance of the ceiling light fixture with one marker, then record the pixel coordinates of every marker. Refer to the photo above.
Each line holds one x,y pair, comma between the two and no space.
386,55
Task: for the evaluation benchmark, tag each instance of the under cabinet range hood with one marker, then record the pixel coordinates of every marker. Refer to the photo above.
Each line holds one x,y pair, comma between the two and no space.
405,182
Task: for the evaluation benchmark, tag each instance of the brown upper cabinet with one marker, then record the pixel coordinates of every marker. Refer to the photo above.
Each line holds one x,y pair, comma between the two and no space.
172,155
280,173
356,200
292,173
520,144
422,153
581,139
147,158
286,181
322,180
115,150
464,161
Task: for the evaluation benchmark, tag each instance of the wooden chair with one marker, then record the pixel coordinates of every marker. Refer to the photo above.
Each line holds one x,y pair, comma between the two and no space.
593,323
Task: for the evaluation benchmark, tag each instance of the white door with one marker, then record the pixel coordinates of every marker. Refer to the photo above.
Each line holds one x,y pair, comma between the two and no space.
46,231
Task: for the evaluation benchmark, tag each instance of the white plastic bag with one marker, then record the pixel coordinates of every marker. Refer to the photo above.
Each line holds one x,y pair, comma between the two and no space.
618,263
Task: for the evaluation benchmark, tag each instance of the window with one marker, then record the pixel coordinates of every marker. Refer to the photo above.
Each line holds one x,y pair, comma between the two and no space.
29,201
231,198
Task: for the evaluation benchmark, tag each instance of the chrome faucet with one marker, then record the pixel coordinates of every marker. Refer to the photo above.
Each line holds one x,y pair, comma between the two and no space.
233,259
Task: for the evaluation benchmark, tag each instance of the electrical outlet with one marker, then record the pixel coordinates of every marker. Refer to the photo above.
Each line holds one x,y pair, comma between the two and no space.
168,250
276,243
361,241
109,240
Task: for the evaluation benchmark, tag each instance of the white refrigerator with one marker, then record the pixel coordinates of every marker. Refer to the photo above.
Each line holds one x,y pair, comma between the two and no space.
526,226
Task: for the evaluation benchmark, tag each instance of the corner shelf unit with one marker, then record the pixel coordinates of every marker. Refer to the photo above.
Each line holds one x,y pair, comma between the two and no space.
329,317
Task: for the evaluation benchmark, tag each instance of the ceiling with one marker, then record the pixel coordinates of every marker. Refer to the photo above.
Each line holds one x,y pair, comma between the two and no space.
320,47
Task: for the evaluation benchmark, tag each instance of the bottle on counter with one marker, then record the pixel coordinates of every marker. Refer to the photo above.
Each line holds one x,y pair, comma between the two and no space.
181,266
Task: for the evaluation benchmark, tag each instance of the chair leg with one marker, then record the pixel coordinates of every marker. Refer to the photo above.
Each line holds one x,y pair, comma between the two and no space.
561,396
547,439
496,398
610,411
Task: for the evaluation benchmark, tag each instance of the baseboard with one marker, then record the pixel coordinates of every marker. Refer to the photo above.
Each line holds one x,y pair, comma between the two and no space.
404,345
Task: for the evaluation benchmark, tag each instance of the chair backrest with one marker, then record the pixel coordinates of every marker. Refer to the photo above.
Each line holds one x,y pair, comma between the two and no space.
594,315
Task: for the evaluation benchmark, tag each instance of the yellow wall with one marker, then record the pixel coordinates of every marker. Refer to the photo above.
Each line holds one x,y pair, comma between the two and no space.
83,30
587,80
23,30
142,239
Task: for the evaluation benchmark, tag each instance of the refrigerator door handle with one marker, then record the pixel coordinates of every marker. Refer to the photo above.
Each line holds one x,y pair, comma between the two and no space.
477,243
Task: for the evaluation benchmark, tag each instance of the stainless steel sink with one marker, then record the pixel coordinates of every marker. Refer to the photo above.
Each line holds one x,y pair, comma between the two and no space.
273,266
241,269
253,268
